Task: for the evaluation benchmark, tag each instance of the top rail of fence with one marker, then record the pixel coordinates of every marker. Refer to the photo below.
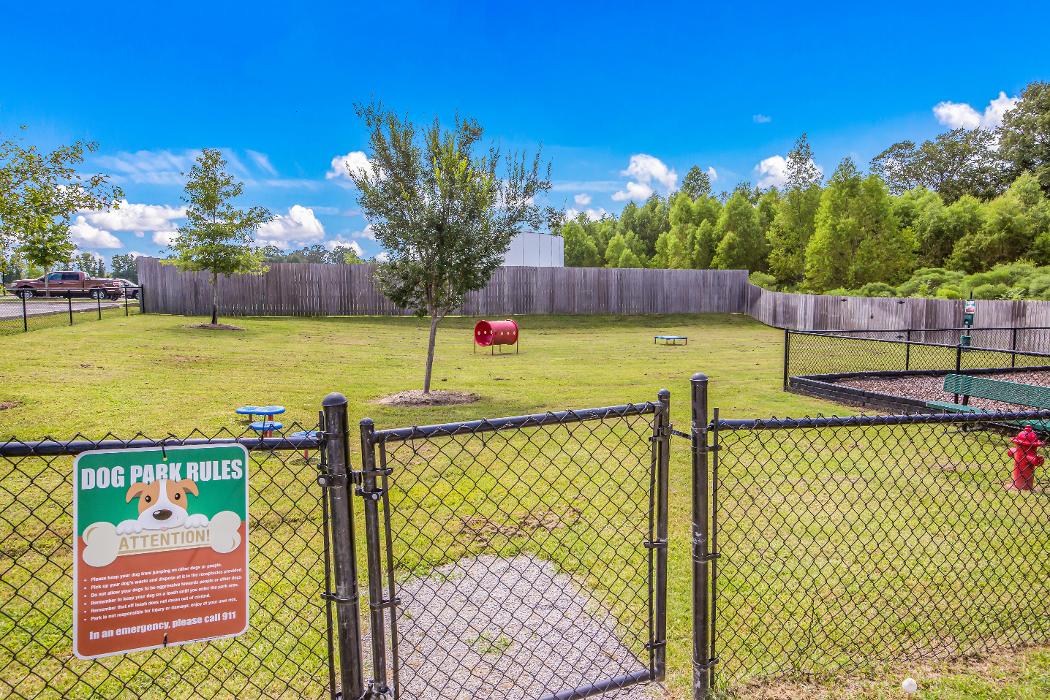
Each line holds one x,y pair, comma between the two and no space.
841,331
527,421
922,343
875,420
50,447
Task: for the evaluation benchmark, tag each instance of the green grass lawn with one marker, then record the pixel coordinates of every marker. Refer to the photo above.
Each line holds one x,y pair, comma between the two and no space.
156,375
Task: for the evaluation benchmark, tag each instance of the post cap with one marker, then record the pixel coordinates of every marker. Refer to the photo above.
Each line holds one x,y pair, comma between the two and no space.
663,395
699,377
334,399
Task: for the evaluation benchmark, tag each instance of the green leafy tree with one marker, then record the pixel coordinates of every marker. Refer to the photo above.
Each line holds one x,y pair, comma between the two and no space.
91,264
707,238
40,192
956,163
938,228
625,242
444,213
580,247
741,245
1024,138
1011,227
124,267
793,222
697,183
218,237
857,239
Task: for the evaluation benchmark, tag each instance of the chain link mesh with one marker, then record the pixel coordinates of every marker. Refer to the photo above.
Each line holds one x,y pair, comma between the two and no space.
39,312
519,554
848,545
284,652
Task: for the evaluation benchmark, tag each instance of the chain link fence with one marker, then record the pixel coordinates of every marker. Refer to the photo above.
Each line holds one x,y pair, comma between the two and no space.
521,557
1006,338
284,653
23,314
847,543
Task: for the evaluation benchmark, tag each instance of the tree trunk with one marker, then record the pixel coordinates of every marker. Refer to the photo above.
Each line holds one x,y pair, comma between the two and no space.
214,299
430,352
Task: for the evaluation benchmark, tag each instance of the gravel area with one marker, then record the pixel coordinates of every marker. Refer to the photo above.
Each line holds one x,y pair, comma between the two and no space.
512,629
931,388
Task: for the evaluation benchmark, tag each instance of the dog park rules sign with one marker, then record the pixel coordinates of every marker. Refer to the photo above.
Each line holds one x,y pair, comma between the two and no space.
161,547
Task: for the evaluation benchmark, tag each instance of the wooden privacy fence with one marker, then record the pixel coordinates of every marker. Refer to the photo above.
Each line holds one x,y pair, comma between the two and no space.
308,289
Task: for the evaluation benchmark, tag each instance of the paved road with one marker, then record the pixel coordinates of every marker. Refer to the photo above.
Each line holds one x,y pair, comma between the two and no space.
13,308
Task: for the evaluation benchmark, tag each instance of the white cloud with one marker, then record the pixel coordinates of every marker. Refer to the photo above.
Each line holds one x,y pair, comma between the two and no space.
366,232
354,160
772,171
84,235
592,214
165,238
149,167
340,242
712,174
646,171
137,218
262,161
634,190
382,256
298,227
761,118
592,185
582,199
958,115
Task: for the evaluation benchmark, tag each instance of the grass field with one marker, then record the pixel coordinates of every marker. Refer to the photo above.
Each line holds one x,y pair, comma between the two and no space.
156,375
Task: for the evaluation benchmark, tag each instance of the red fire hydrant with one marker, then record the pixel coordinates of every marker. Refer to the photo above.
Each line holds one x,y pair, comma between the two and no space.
1026,458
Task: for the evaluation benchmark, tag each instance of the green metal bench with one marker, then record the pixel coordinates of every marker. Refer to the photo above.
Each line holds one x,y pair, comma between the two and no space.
966,386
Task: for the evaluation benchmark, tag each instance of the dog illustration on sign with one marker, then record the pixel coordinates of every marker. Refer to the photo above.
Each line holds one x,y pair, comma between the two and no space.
162,506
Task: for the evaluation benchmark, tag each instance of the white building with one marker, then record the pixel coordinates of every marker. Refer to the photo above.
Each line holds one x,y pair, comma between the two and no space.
535,250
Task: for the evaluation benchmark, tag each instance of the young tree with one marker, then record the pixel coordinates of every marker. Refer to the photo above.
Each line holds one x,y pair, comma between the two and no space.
444,213
857,239
217,237
742,246
580,248
697,183
39,195
1024,138
793,222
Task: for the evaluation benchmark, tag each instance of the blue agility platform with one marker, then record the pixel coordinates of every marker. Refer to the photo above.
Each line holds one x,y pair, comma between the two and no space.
670,339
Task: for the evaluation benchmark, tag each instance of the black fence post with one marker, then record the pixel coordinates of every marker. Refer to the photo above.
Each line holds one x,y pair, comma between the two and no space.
658,538
703,668
1013,346
337,453
142,300
69,301
907,349
787,355
369,490
25,315
98,303
125,301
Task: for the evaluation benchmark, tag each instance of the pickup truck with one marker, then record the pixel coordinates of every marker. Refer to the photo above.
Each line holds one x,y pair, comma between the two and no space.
67,283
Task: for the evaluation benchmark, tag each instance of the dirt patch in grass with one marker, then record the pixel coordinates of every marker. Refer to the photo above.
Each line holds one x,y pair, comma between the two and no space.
4,405
217,327
484,530
415,397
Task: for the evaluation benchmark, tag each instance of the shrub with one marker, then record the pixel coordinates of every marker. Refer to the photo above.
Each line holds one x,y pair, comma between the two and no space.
991,291
949,292
876,289
764,280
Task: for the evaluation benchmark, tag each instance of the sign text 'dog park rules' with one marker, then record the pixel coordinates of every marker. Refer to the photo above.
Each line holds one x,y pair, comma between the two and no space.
161,547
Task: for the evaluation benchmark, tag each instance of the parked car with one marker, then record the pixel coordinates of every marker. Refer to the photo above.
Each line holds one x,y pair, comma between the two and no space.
67,283
131,289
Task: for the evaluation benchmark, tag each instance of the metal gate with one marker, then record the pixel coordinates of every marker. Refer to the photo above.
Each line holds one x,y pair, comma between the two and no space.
520,557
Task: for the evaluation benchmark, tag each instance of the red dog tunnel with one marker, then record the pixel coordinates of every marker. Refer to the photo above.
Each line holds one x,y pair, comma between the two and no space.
489,333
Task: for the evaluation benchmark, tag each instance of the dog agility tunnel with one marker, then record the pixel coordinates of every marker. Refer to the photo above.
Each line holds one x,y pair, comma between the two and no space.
489,333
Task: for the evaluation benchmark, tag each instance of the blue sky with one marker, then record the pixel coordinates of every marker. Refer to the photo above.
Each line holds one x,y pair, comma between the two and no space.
623,97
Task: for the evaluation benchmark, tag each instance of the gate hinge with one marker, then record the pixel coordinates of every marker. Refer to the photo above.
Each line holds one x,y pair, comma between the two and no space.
373,495
706,665
336,598
331,481
655,644
656,544
710,556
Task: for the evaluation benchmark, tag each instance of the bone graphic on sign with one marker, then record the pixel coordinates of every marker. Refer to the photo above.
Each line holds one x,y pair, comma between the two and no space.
104,544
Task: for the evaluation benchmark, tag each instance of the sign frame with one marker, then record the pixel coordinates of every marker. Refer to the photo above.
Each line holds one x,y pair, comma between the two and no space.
166,452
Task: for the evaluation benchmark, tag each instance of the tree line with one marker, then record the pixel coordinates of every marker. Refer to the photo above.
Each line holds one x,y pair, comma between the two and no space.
966,201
